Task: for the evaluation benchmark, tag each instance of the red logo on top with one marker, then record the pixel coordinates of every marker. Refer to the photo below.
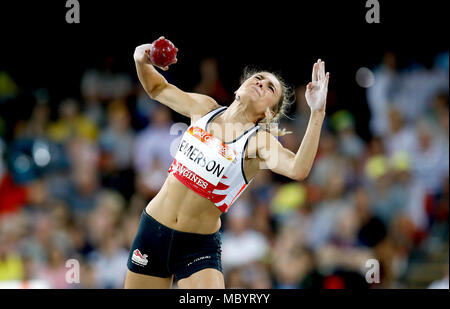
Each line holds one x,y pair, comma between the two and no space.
210,140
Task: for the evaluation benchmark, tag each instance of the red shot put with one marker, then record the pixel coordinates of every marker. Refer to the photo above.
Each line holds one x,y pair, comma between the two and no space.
162,53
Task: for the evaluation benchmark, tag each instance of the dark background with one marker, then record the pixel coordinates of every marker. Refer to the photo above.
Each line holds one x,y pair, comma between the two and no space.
39,49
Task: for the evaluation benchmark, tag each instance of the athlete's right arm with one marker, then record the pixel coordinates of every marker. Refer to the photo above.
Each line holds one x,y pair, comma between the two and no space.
157,87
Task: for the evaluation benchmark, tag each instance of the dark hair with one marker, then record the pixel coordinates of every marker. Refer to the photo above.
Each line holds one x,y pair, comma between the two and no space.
286,99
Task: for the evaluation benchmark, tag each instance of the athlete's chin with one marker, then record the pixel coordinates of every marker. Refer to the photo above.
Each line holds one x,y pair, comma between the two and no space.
254,95
251,99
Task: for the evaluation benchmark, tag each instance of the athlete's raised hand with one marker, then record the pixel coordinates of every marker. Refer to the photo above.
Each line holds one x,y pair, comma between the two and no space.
317,89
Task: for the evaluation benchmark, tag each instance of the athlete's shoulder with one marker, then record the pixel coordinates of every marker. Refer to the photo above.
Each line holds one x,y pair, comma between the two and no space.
204,104
204,110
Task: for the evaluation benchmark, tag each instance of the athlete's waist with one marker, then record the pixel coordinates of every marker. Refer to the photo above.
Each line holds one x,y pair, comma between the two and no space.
179,208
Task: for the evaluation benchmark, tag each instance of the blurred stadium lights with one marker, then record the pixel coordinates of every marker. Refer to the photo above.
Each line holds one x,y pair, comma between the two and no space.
365,77
41,154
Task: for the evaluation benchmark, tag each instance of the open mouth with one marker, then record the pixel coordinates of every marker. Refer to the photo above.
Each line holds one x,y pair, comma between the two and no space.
257,90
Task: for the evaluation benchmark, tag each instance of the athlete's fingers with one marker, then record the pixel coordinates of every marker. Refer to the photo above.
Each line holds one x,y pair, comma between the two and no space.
314,72
144,46
320,74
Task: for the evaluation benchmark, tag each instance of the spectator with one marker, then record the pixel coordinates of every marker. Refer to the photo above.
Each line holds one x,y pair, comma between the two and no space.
108,262
105,217
152,151
99,86
71,124
116,146
11,265
323,217
328,161
290,264
400,137
430,158
38,124
256,276
387,199
117,138
105,84
54,271
371,229
238,235
439,114
381,93
44,237
351,145
83,191
210,83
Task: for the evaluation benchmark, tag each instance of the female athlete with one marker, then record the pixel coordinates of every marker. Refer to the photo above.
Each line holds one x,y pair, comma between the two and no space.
217,158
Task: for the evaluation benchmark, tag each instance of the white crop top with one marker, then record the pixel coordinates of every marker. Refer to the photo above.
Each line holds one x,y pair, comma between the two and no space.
210,167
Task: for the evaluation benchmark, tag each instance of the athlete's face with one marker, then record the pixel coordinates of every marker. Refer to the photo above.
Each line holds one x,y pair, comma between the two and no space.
260,91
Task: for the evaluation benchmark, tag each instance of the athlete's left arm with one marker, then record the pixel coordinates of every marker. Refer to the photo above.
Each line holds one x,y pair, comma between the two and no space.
298,165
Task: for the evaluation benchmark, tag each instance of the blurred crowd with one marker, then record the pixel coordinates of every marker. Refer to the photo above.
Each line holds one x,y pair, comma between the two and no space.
76,175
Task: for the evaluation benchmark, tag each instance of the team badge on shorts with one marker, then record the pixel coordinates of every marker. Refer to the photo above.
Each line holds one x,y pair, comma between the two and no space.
138,258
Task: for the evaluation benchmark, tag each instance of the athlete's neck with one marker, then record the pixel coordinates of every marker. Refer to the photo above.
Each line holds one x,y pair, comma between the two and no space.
238,113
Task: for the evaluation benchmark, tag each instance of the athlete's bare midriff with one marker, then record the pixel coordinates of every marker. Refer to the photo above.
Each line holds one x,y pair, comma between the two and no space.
180,208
